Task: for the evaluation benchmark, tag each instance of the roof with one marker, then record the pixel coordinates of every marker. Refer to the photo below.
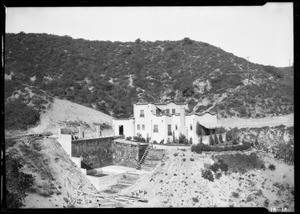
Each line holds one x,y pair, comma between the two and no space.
166,103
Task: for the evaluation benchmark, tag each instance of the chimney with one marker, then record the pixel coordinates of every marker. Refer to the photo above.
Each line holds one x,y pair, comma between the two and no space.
98,131
182,126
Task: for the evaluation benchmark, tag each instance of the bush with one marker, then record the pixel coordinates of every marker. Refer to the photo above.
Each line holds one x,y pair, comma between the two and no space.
229,136
218,175
139,138
219,165
154,142
162,141
272,167
235,194
129,138
182,139
200,147
17,182
207,174
20,116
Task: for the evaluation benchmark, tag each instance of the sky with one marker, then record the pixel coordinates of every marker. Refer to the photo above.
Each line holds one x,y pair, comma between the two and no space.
264,34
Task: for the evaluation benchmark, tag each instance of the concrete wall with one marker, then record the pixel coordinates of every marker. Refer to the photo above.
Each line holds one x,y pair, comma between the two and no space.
77,161
126,153
65,141
95,153
287,120
102,183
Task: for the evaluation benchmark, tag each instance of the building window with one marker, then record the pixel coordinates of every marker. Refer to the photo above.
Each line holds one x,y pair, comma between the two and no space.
176,127
142,113
155,128
191,127
169,129
138,127
173,111
168,111
143,126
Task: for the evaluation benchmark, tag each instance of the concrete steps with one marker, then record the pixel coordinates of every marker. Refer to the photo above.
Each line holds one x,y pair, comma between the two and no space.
128,178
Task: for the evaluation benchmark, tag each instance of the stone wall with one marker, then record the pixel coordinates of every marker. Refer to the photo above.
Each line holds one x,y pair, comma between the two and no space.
105,151
127,153
95,152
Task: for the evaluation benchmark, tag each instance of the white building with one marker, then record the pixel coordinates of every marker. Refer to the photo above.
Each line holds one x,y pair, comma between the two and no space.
160,120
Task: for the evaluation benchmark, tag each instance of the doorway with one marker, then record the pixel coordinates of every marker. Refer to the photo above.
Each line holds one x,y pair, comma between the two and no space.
121,130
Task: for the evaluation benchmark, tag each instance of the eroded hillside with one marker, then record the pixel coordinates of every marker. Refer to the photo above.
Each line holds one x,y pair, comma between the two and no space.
40,174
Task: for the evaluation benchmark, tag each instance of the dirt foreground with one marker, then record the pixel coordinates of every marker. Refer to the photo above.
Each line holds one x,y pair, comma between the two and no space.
177,182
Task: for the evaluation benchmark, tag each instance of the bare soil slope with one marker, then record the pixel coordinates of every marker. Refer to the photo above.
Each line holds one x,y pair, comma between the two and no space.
66,114
57,179
178,182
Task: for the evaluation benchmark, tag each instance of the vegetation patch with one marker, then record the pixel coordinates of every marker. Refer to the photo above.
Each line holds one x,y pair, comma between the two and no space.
240,162
200,147
207,174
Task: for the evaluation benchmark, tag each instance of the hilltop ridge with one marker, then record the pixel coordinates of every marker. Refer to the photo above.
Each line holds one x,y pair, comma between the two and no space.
111,76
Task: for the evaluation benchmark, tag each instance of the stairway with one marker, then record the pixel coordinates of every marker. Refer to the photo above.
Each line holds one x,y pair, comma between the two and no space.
144,156
154,156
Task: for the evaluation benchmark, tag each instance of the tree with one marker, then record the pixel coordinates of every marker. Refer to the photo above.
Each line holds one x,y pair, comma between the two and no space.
220,138
215,139
211,140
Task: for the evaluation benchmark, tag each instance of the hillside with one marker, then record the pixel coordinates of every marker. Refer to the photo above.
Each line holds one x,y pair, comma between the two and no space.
52,179
65,114
111,76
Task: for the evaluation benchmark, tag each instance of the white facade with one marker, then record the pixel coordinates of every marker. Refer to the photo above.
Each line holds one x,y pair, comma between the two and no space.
160,121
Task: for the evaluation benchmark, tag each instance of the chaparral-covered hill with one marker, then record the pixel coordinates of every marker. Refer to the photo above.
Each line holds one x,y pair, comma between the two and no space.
111,76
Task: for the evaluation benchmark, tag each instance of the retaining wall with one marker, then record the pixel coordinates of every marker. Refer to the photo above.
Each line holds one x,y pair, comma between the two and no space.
127,153
287,120
95,152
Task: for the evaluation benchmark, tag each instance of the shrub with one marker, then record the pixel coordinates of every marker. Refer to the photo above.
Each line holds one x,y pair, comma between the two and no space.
162,141
139,138
207,174
229,136
191,159
195,200
272,167
219,165
263,167
235,194
17,182
218,175
182,139
154,142
20,116
129,138
200,147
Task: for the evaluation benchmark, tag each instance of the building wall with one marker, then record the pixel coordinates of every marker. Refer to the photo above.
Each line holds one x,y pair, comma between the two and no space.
128,127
